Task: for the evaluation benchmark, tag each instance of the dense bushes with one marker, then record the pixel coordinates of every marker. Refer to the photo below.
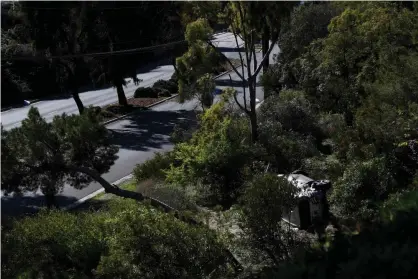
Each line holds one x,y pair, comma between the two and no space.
146,92
169,85
154,168
289,130
266,200
126,240
356,123
385,250
53,245
217,158
151,92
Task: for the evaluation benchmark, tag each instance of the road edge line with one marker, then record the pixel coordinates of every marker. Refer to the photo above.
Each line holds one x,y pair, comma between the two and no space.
138,110
95,193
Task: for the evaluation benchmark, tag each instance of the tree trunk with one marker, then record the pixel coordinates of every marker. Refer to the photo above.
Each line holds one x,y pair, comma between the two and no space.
265,47
253,113
121,95
113,189
50,201
78,101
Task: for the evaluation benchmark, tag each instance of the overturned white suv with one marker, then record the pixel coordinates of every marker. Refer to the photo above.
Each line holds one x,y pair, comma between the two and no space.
312,206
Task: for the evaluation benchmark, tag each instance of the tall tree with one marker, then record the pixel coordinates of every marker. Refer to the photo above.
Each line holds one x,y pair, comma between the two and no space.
151,23
45,156
243,19
194,66
60,34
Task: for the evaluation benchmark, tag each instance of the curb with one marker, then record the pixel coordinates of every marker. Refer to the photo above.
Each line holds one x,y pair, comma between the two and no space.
95,193
138,110
21,106
159,102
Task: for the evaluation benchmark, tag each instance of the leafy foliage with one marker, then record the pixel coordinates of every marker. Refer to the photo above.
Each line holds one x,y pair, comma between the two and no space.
155,167
145,243
146,92
41,155
126,240
205,85
169,85
361,188
387,249
288,130
307,23
359,79
200,59
70,247
266,200
217,157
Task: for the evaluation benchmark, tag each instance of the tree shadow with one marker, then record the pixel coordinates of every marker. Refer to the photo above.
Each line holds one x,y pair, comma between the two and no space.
232,83
14,205
150,129
231,49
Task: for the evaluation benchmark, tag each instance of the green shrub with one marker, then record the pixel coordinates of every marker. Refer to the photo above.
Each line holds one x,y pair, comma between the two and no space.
53,244
363,186
169,85
124,240
163,93
146,92
217,158
174,78
180,133
154,168
288,129
145,243
266,200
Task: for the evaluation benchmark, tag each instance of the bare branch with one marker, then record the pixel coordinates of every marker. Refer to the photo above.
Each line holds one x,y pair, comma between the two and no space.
236,100
229,62
253,52
264,58
242,17
242,66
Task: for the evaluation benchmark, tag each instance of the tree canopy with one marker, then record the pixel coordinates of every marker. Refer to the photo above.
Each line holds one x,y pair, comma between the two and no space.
341,104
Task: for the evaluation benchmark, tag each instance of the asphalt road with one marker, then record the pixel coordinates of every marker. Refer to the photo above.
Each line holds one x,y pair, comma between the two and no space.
137,136
50,108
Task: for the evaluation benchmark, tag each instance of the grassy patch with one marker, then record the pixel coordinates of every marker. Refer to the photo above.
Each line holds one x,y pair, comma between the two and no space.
177,197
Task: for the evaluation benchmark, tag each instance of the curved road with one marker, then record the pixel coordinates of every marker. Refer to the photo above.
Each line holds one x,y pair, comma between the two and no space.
138,136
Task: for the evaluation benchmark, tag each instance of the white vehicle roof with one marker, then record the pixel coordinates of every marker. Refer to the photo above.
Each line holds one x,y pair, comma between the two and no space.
302,183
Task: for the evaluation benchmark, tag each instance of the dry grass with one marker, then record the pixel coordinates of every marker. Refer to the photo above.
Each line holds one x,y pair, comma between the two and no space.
177,197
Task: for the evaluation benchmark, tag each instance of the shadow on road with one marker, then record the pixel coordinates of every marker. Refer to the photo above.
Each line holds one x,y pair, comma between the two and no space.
231,49
150,129
13,206
145,130
232,83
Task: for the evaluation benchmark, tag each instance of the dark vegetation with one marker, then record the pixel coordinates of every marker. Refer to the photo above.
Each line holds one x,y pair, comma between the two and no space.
341,104
46,42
